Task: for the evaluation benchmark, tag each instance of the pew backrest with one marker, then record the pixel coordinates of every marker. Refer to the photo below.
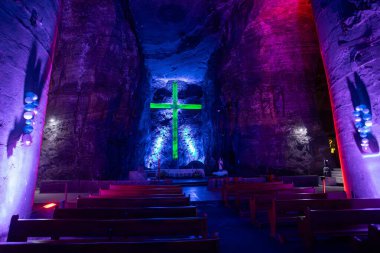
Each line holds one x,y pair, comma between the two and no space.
144,191
295,208
20,230
341,222
374,235
128,187
291,195
125,213
131,202
234,189
299,205
113,193
336,219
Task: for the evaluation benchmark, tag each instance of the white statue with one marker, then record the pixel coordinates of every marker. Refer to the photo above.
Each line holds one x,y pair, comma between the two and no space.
220,164
221,172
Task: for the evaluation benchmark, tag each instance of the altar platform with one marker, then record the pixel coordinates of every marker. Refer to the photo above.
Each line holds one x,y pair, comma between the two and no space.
182,173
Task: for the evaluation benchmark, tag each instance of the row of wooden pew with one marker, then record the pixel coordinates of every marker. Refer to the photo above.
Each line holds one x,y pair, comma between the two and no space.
124,218
315,215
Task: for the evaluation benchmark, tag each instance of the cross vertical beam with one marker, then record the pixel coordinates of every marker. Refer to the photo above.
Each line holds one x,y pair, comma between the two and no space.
175,120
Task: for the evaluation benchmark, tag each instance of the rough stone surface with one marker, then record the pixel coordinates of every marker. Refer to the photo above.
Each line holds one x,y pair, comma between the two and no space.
274,107
254,66
177,38
27,39
94,95
349,35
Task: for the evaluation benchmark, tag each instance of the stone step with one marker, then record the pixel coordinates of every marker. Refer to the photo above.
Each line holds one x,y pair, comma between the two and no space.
339,180
336,173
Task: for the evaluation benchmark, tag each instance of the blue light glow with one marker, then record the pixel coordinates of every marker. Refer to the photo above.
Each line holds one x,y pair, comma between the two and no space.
151,161
189,142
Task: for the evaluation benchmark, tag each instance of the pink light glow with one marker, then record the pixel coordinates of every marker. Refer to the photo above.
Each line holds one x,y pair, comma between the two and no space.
50,205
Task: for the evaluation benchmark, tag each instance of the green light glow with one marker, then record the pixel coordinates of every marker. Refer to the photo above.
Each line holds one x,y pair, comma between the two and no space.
160,106
175,106
190,106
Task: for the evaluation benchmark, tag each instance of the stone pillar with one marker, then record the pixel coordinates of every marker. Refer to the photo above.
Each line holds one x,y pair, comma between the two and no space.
349,37
28,32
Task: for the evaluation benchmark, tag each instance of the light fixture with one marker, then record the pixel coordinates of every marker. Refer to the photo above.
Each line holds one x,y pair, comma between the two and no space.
30,111
27,139
50,205
363,124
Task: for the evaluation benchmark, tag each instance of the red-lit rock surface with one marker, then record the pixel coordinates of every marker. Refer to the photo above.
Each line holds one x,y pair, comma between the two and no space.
349,34
92,101
275,109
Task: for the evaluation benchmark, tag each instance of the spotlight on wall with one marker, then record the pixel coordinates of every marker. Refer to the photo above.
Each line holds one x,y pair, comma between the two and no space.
300,131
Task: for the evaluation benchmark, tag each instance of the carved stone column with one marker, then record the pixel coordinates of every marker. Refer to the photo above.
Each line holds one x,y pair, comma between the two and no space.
349,36
28,32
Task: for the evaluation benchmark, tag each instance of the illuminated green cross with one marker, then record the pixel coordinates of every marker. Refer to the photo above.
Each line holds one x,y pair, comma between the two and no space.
175,106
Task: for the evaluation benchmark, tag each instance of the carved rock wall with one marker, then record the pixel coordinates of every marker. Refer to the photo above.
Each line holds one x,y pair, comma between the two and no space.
274,107
94,95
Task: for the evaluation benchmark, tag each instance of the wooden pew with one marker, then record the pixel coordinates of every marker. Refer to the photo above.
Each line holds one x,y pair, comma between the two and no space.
150,193
128,187
263,202
374,236
125,213
244,196
231,190
290,211
300,195
210,245
20,230
344,222
131,202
